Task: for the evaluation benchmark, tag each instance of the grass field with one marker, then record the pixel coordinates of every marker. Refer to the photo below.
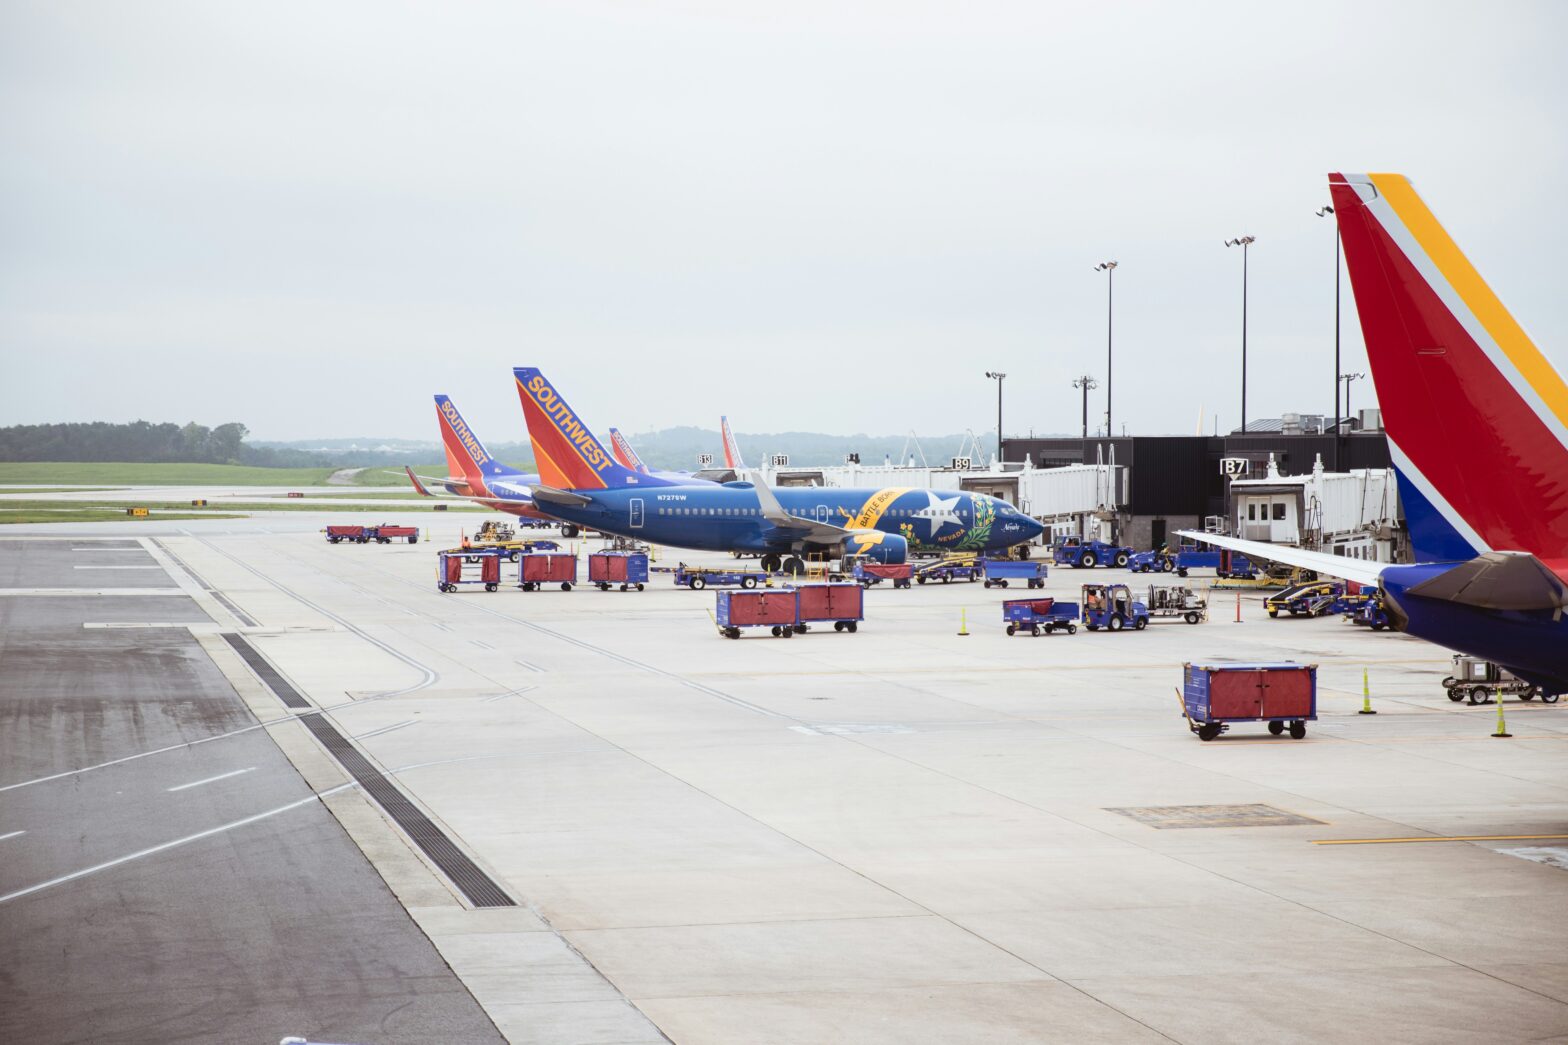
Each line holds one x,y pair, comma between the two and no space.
51,489
92,473
381,476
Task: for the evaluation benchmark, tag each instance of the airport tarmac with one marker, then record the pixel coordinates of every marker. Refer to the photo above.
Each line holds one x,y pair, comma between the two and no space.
902,834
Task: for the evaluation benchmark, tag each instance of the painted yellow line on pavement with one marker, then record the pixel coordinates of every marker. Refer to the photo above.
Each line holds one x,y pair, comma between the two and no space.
1454,838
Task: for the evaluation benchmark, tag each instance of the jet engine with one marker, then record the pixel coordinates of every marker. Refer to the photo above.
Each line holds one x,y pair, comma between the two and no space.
877,546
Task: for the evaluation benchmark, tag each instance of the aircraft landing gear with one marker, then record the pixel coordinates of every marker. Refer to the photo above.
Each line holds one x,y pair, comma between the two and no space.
769,563
794,566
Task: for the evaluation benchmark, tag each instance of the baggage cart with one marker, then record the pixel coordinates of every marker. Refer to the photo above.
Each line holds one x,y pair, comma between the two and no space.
999,571
867,574
1223,561
627,569
777,609
536,569
1037,615
352,534
385,534
457,567
841,602
949,570
1214,696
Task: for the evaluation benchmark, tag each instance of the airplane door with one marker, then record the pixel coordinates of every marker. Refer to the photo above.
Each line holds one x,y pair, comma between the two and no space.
822,513
636,513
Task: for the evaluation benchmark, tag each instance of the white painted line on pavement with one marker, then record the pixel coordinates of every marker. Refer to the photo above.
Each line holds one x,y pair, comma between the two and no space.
138,550
387,729
13,834
211,779
102,566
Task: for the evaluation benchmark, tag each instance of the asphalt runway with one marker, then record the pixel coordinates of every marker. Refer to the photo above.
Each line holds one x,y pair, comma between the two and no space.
201,894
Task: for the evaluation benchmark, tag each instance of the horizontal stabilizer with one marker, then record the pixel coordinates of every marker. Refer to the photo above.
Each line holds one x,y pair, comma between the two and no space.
1498,581
1360,571
550,495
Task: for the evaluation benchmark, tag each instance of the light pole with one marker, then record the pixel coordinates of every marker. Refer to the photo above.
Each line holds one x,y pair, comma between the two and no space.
1322,213
1109,268
1347,378
998,376
1243,242
1086,383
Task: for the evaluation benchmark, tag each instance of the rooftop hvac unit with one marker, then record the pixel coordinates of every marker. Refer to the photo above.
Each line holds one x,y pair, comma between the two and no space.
1371,419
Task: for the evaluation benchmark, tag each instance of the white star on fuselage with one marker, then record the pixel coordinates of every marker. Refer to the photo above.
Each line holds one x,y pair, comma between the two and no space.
939,513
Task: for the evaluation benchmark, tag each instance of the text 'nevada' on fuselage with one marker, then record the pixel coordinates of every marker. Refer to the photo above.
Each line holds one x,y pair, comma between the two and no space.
581,482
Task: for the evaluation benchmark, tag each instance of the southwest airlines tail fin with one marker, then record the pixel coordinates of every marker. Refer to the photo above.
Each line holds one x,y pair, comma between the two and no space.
466,456
732,458
624,453
568,455
1477,418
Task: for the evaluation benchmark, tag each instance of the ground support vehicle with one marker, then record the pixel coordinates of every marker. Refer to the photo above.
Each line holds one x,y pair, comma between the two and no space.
1080,554
628,569
1175,600
1216,695
456,567
1483,682
777,609
1370,613
1112,607
510,550
699,577
536,569
945,570
1157,561
352,534
999,571
867,574
1313,599
1224,562
492,531
843,603
385,534
1037,615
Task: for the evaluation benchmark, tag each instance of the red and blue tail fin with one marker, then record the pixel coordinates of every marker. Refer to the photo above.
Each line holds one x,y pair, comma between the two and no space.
1477,418
466,456
732,459
569,456
625,454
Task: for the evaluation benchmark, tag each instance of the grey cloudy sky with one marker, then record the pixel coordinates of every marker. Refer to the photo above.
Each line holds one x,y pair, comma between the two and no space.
311,216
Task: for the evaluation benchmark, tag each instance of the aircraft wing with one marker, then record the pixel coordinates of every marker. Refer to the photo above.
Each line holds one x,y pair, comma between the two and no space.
774,512
420,481
512,488
1360,571
1499,581
551,495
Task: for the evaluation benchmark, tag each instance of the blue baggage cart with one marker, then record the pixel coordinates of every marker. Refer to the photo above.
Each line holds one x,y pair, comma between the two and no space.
699,577
776,608
999,571
1037,615
1285,695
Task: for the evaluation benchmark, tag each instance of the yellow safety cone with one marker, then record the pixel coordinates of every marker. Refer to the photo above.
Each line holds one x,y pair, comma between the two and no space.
1502,727
963,620
1366,696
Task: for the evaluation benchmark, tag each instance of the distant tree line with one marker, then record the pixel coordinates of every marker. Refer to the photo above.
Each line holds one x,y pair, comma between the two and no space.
143,441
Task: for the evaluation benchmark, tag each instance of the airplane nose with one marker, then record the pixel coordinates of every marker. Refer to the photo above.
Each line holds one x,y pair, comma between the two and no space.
1033,527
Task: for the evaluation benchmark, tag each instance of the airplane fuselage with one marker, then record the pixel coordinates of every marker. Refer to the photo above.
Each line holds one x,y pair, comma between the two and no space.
730,518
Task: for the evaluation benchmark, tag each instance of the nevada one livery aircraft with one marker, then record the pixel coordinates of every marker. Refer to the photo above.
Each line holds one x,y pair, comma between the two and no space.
1477,423
582,483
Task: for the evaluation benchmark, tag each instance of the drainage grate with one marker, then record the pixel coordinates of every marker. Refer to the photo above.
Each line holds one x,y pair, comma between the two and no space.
266,672
480,888
1166,818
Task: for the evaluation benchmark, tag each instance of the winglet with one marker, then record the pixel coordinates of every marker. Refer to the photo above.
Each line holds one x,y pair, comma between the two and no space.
419,487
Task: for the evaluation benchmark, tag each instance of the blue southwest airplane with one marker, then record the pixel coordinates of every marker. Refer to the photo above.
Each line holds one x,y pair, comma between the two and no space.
581,482
1477,423
622,449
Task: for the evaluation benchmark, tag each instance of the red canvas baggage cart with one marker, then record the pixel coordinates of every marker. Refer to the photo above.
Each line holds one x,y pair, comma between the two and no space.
539,568
335,534
778,609
1282,694
843,604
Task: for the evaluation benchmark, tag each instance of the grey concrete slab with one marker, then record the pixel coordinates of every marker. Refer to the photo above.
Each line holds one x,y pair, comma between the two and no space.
57,564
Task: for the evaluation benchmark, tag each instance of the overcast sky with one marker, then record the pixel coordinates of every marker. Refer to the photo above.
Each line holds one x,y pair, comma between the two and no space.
310,216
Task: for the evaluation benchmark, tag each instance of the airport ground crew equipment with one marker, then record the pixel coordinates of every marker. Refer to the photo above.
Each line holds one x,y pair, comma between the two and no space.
1285,695
777,609
1370,612
1175,600
460,566
945,570
999,571
536,569
491,531
843,603
385,534
1112,607
1040,615
867,573
1313,599
339,534
1157,561
1081,554
699,577
1482,682
1224,562
627,569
